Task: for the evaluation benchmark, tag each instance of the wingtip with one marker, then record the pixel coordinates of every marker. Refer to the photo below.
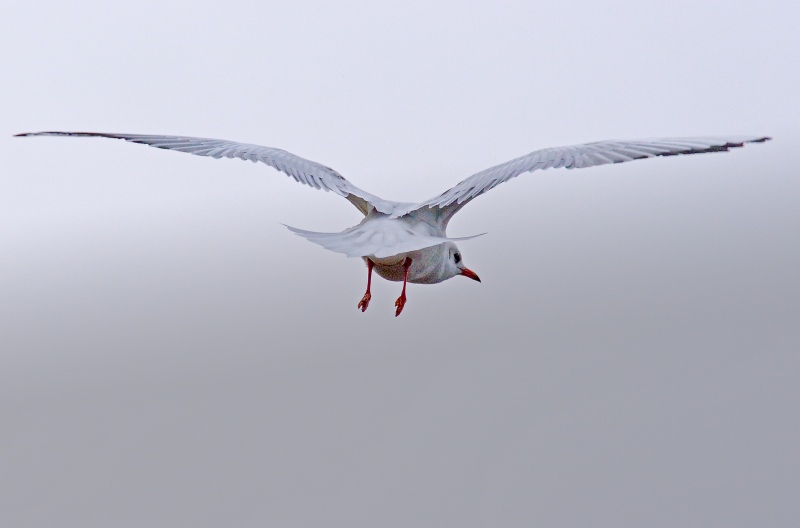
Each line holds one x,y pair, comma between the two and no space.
26,134
56,133
756,139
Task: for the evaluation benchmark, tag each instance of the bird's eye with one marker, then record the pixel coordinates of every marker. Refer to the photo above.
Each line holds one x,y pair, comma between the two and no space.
457,257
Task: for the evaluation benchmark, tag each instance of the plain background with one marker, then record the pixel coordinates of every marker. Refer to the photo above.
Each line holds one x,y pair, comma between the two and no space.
172,356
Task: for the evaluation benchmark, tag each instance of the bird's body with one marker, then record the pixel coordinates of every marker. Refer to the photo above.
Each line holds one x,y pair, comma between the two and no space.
428,265
388,242
407,241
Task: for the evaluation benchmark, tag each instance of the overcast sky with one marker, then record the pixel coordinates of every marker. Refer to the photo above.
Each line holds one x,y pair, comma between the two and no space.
170,355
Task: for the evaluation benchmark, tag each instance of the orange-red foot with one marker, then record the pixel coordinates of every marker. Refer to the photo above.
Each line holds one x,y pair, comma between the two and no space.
364,302
400,303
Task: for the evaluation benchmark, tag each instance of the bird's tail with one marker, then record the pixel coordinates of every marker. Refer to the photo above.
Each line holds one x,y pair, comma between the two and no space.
364,241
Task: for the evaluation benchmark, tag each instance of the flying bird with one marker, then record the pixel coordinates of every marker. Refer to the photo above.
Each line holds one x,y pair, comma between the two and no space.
407,241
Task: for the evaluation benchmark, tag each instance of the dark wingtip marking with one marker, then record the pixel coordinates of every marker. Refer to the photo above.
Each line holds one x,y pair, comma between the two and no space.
25,134
716,148
73,134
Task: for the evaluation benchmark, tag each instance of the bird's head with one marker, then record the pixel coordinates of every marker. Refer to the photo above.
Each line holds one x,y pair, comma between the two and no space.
456,264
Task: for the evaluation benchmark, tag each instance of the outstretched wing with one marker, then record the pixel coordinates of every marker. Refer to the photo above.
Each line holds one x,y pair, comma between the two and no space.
573,157
302,170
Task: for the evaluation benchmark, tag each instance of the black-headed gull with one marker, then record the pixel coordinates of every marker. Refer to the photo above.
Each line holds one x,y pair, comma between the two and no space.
404,241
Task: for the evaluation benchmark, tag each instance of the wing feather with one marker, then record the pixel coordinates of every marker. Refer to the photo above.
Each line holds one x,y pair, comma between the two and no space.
299,169
573,157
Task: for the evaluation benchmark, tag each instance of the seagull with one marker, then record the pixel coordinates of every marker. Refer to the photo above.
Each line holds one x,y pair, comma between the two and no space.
407,241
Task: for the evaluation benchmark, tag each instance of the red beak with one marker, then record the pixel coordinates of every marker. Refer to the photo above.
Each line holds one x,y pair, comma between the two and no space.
471,274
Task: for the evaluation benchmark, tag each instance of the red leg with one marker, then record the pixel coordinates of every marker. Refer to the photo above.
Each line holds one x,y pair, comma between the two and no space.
364,302
401,301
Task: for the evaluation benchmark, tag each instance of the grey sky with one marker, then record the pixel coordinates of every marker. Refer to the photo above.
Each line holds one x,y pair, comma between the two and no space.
171,355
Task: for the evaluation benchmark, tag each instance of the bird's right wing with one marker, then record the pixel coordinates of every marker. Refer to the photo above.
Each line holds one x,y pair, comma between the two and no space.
572,157
302,170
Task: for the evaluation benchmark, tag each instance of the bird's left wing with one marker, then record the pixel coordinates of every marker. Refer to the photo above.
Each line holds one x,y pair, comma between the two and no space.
302,170
572,157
